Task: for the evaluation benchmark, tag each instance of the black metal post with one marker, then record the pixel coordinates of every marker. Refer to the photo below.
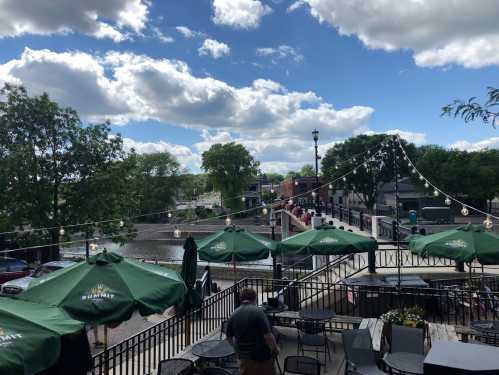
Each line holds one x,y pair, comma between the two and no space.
317,157
87,248
396,228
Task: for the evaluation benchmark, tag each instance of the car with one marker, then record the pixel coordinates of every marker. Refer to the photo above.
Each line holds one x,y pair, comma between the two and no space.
18,285
12,268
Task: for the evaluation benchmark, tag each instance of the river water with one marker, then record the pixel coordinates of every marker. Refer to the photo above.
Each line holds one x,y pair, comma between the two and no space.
146,249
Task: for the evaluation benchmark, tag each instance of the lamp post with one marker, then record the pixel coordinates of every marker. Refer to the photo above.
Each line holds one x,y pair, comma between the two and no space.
397,232
272,227
315,133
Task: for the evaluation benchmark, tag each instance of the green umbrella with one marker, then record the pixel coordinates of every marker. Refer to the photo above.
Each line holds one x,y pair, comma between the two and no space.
189,274
234,244
325,240
108,288
32,337
463,244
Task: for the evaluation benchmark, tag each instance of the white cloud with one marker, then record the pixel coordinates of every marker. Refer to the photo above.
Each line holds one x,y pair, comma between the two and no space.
183,154
438,32
413,137
188,33
214,48
281,52
161,36
296,5
491,143
239,14
273,122
101,19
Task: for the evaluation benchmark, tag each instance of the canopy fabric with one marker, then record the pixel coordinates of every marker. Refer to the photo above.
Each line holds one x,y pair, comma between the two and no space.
31,335
463,244
189,274
325,240
234,244
108,288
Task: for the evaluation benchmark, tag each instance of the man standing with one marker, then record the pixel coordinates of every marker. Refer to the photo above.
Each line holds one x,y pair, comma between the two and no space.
249,331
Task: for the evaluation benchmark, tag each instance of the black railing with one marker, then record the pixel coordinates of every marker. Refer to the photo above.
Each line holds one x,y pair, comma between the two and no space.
477,282
299,269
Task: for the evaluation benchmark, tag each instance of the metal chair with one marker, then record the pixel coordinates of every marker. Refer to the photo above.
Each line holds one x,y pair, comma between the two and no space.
407,339
176,366
302,365
359,354
312,337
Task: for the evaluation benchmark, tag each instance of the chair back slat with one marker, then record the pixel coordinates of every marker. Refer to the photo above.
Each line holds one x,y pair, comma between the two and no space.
302,365
407,339
358,347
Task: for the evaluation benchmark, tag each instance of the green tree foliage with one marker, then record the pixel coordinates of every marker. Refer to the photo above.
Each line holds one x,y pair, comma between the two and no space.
193,185
471,110
307,170
230,168
54,171
367,182
155,178
472,175
274,178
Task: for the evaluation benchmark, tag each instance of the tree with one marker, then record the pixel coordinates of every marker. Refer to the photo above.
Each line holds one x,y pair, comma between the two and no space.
230,168
307,170
54,171
192,185
274,178
471,110
155,179
368,179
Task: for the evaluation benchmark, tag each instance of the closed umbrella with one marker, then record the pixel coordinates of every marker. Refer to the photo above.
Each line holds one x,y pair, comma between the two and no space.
189,274
108,288
35,337
325,240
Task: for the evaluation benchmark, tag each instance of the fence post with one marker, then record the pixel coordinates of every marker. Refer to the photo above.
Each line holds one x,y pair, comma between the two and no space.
332,209
341,212
361,220
394,230
460,266
371,261
349,216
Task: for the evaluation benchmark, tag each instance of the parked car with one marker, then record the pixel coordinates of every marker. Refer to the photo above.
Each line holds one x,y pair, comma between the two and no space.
18,285
12,268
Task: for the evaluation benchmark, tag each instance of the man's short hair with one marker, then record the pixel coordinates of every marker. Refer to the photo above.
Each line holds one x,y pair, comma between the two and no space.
248,294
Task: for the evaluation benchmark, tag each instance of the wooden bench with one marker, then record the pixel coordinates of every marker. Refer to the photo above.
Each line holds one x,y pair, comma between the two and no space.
375,327
441,332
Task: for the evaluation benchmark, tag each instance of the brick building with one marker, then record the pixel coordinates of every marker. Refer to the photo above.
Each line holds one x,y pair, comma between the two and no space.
299,185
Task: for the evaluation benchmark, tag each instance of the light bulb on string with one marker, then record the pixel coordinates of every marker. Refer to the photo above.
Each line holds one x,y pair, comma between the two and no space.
365,165
368,152
488,223
405,157
354,171
330,186
272,191
336,167
296,182
177,233
265,211
464,211
436,193
448,201
354,160
170,214
314,194
421,178
290,202
228,221
93,246
61,231
426,185
344,179
413,170
122,223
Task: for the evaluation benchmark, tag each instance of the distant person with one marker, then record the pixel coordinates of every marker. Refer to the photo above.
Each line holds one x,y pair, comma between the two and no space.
249,331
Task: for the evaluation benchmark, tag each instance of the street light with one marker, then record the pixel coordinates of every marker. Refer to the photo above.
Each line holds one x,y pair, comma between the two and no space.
315,134
274,259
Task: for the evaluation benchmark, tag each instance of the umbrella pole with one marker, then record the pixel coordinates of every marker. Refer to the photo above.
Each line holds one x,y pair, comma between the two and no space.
470,292
105,336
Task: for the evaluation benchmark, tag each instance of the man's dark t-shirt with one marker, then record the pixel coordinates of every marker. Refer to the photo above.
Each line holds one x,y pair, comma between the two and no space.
248,325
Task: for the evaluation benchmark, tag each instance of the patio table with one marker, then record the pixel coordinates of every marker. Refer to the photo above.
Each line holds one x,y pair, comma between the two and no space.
408,363
488,327
319,314
446,357
213,349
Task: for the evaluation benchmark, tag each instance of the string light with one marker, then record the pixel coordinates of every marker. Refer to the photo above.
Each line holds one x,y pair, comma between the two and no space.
413,170
435,193
447,201
488,223
314,194
330,186
61,231
290,202
421,178
265,211
93,246
170,214
228,221
177,233
296,182
365,165
354,171
344,179
122,223
464,211
243,199
272,191
426,185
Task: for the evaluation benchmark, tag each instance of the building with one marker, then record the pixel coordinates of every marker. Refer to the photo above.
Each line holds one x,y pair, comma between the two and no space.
301,187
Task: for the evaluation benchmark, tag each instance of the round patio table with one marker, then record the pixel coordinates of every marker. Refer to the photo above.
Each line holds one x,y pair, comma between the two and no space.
272,310
212,349
316,314
409,363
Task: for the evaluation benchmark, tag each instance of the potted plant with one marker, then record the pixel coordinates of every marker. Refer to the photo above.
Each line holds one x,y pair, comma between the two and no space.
409,317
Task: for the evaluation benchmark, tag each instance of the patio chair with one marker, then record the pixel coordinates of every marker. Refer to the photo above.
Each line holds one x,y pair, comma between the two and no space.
176,366
359,354
312,337
407,339
302,365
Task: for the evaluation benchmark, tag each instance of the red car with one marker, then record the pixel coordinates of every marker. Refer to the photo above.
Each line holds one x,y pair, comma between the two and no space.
12,268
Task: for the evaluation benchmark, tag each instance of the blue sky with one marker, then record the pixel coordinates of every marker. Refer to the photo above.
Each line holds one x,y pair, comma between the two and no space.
182,75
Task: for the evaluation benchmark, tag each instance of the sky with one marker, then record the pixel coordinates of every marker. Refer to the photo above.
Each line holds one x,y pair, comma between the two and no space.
180,76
